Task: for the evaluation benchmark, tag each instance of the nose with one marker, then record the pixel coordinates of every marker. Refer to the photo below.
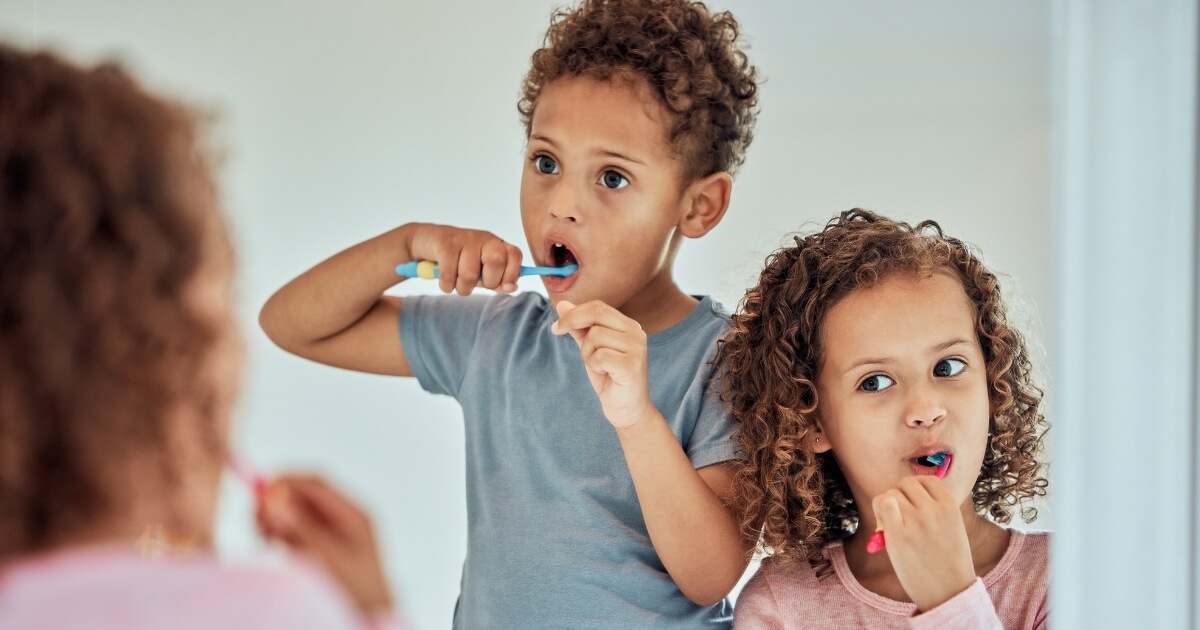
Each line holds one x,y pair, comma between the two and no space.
564,202
924,407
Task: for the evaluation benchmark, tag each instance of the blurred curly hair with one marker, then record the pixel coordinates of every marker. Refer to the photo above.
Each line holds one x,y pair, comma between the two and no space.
690,58
796,500
109,221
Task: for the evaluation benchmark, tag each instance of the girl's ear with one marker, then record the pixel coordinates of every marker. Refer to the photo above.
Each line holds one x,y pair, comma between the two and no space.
817,441
706,201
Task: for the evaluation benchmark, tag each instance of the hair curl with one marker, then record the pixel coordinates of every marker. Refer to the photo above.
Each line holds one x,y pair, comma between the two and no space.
797,500
114,253
691,59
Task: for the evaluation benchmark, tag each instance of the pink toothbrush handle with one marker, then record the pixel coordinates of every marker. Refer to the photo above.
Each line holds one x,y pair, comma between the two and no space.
876,543
251,477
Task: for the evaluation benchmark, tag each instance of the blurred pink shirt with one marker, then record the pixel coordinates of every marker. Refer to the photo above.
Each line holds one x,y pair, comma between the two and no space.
114,587
1012,595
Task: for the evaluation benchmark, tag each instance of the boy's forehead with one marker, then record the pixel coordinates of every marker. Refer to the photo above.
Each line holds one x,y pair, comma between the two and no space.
602,114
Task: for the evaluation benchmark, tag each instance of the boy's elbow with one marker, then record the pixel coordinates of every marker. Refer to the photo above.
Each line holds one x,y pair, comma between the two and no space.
706,597
712,589
270,322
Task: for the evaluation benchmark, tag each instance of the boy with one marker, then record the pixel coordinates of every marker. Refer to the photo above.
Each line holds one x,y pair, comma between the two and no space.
637,113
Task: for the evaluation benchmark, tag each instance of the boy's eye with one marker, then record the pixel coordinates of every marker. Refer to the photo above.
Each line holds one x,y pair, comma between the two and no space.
613,180
876,383
949,367
545,164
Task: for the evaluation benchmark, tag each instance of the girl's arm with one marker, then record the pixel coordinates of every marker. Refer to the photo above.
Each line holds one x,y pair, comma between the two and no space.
692,529
336,313
970,609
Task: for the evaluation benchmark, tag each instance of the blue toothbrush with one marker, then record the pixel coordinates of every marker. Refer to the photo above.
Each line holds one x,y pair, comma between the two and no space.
428,270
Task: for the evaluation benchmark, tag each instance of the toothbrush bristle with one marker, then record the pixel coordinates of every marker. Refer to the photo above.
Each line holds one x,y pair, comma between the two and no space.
937,458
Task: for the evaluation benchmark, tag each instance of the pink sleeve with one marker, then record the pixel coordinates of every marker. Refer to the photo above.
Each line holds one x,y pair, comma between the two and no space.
970,609
756,608
386,621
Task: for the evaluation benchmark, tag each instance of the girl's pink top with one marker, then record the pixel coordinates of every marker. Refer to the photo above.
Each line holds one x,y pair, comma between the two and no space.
111,587
1012,595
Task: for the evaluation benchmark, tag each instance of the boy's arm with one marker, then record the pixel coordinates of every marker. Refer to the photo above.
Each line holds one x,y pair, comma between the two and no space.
686,511
690,525
336,313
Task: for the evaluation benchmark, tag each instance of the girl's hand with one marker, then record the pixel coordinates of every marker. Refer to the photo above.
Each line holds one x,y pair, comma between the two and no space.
313,518
613,348
467,258
926,540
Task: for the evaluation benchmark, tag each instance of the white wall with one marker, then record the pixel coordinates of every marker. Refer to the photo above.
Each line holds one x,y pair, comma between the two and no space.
1126,277
341,120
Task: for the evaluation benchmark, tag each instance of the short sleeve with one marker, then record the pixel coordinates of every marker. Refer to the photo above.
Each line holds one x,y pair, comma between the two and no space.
712,438
438,334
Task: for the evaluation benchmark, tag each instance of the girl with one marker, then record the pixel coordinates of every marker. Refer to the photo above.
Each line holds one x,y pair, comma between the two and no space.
879,388
120,357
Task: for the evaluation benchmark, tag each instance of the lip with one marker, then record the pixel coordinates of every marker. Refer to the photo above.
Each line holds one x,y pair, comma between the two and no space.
557,284
925,451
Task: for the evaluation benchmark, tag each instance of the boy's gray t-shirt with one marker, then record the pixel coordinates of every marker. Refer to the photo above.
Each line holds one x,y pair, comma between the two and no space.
556,537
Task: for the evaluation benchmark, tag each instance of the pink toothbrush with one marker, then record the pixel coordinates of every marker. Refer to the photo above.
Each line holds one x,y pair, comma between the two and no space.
256,481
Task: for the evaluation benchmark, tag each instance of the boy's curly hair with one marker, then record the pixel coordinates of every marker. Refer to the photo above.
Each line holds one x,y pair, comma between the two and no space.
690,58
108,224
798,501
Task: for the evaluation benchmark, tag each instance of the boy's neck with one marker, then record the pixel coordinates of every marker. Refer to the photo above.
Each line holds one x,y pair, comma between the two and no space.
659,305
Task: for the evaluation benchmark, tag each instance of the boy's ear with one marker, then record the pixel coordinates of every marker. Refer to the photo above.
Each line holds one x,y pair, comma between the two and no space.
706,201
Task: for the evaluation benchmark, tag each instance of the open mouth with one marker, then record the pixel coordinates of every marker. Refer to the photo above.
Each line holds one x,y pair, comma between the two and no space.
561,255
940,462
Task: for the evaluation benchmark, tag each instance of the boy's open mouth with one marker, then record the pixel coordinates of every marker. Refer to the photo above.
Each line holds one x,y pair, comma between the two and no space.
561,255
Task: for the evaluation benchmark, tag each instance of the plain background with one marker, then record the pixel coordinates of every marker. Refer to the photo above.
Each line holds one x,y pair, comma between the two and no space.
341,120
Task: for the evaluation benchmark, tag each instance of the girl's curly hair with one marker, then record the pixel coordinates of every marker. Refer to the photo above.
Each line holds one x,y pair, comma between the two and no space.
690,58
798,501
114,293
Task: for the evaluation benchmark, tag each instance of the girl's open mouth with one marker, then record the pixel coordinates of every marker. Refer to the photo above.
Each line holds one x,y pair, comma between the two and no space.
937,463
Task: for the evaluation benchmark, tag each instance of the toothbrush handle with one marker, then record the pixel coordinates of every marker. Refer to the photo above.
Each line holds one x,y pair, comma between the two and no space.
428,270
563,271
876,542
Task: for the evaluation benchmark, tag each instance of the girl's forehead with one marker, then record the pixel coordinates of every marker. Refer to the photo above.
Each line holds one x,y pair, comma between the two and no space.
899,311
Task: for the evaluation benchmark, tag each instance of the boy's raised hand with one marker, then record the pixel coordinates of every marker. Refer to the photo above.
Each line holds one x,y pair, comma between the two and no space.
467,258
926,539
613,348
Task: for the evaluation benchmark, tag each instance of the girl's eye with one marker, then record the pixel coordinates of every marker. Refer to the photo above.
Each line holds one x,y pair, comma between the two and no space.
949,367
613,180
876,383
545,164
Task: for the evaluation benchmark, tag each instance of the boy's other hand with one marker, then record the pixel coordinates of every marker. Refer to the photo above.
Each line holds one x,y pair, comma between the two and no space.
467,258
311,517
613,348
926,540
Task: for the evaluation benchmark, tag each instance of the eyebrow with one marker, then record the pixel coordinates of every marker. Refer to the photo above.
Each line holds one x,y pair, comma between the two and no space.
604,152
945,345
